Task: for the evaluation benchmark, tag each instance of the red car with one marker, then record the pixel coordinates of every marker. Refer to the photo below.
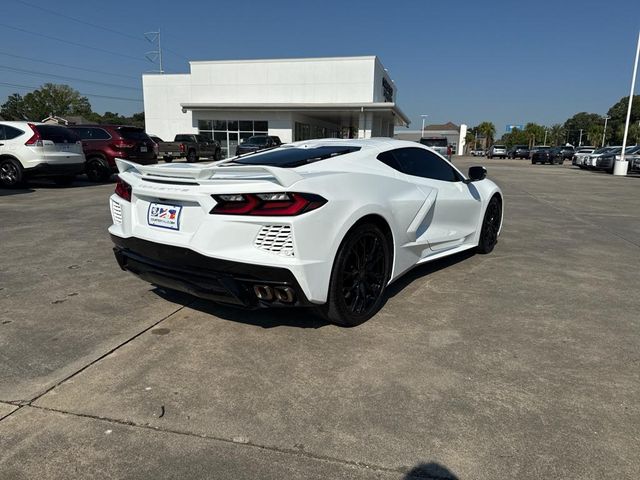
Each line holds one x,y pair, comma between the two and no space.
102,144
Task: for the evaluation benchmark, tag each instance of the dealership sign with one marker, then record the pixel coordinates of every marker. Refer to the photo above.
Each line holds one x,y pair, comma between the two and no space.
511,128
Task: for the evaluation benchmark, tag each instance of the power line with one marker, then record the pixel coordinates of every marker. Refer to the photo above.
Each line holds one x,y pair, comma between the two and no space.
101,27
69,66
63,77
81,93
71,43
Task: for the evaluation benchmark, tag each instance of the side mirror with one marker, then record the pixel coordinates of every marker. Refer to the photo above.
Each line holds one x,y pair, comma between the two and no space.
477,173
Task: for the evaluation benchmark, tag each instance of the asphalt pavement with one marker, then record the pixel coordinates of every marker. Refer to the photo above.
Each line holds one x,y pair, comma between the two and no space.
524,363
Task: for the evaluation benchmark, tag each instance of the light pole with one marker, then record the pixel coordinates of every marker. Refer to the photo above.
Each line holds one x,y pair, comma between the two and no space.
423,119
620,166
580,141
606,118
545,136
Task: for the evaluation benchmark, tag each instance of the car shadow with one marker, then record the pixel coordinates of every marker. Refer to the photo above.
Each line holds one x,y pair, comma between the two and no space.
301,317
430,471
426,269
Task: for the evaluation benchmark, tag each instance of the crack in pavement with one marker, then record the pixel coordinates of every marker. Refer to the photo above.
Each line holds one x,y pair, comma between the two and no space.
286,451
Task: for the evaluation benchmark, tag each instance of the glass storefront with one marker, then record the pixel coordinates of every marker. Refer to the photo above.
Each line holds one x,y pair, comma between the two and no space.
230,132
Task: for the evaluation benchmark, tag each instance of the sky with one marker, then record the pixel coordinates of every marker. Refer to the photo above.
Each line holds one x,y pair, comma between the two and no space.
508,62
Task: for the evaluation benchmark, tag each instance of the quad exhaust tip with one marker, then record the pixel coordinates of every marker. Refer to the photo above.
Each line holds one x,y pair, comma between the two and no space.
268,293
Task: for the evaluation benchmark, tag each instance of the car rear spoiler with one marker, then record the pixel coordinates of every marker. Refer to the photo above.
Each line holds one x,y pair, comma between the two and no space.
283,176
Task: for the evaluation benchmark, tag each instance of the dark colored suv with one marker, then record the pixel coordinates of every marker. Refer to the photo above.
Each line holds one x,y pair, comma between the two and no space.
102,144
518,151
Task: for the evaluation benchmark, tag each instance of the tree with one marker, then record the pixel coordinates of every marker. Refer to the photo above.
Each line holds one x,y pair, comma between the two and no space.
52,99
515,137
535,133
13,108
556,134
594,135
580,121
488,131
618,114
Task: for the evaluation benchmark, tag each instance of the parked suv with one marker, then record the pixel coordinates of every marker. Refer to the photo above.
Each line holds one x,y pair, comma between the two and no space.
30,150
102,144
497,151
518,151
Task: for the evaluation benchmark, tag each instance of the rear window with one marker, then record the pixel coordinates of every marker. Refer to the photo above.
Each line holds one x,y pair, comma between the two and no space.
499,146
434,142
133,133
57,134
293,157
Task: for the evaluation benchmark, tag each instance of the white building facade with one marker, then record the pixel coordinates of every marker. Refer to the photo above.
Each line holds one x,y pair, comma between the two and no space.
295,99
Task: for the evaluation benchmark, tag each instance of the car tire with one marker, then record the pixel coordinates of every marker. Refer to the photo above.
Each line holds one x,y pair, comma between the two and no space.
97,170
167,159
192,157
218,155
490,226
360,273
64,181
11,173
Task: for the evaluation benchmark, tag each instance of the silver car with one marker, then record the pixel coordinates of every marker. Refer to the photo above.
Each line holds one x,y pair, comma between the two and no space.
497,151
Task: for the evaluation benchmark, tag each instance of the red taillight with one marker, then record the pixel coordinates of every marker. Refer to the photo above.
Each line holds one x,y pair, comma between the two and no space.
123,190
36,139
182,147
267,204
123,144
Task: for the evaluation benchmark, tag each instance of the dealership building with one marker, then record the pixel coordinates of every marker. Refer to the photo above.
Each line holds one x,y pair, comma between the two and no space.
294,98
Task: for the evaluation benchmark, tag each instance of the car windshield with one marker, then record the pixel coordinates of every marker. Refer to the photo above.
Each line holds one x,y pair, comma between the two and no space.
543,148
602,150
434,142
293,157
499,146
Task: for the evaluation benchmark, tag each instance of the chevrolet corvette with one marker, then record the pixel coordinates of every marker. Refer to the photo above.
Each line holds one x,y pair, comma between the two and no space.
320,223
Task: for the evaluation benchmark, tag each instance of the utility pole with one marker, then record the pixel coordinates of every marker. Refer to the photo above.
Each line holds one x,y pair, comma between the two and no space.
580,141
545,136
606,118
152,56
620,166
423,119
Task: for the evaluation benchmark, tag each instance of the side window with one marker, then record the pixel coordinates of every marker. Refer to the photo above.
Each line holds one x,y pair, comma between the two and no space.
11,132
2,137
83,133
98,134
388,159
423,163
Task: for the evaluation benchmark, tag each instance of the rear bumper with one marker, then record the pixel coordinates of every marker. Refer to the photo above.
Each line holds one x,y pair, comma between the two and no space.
205,277
55,169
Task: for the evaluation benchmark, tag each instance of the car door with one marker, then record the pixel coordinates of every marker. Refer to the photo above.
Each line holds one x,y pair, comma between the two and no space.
451,212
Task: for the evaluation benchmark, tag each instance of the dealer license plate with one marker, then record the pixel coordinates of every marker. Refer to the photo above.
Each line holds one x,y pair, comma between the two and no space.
164,216
143,149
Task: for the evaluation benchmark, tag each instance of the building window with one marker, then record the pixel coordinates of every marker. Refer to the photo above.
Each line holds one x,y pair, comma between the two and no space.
230,132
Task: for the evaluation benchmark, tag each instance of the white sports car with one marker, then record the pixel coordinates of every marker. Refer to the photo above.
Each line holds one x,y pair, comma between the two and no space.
325,223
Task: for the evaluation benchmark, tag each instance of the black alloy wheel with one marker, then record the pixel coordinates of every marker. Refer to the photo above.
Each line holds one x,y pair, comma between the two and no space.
360,274
97,170
192,157
490,226
10,173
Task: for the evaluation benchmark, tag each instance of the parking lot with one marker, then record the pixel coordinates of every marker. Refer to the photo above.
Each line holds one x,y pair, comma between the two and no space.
524,363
